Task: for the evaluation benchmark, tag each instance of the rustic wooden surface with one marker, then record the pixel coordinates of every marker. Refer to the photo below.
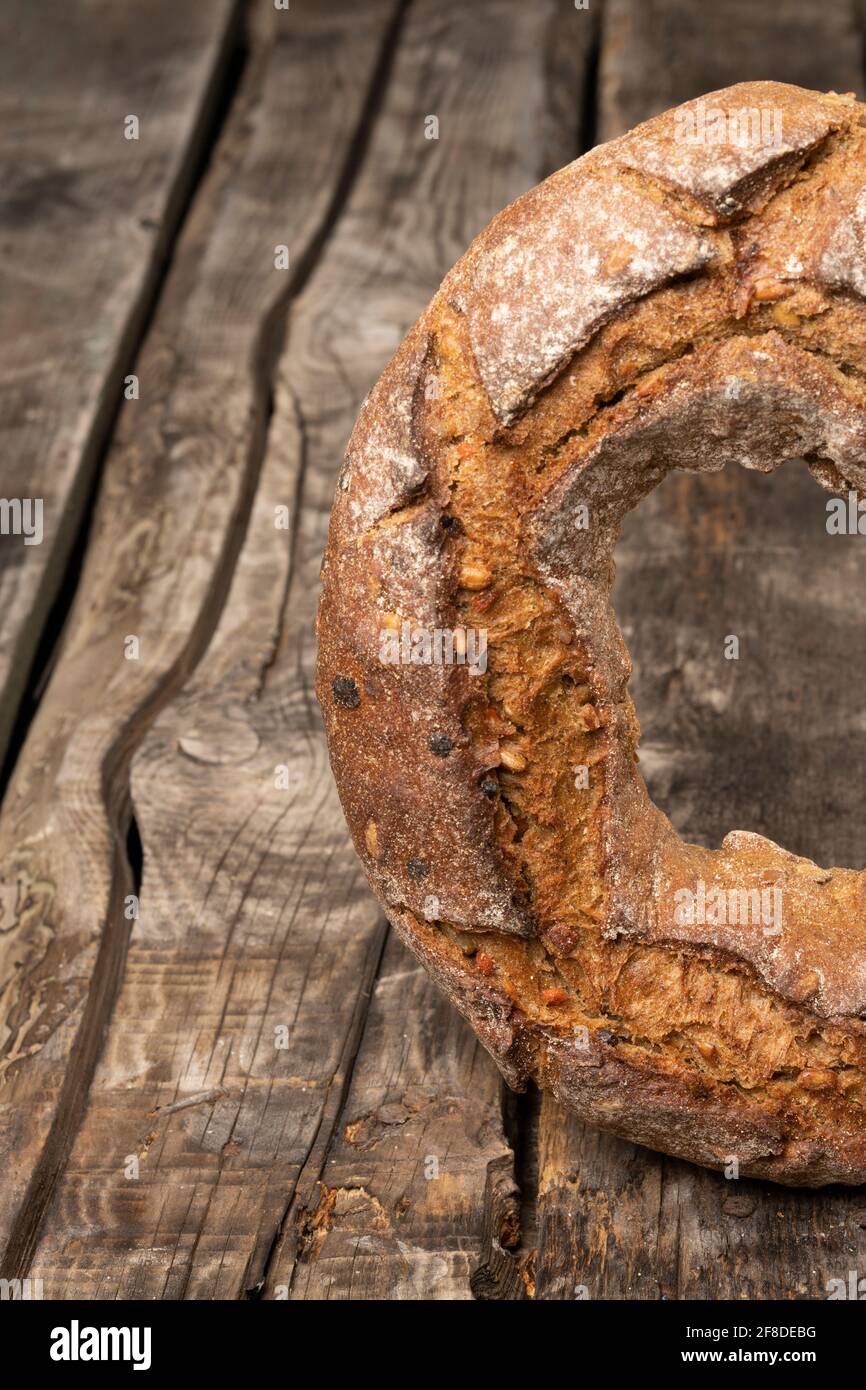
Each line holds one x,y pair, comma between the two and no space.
244,1087
87,218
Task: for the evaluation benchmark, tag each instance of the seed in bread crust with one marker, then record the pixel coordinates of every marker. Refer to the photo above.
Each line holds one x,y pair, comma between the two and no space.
552,997
587,718
766,287
440,744
804,985
562,938
490,787
475,577
816,1079
417,868
511,756
371,838
345,692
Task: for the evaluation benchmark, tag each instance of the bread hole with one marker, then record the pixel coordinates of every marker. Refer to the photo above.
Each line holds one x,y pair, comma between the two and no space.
773,740
604,400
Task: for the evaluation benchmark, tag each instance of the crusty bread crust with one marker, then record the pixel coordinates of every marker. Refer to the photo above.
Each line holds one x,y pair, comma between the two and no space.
664,302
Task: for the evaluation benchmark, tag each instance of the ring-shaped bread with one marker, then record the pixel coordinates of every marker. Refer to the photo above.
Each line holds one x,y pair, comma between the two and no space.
687,296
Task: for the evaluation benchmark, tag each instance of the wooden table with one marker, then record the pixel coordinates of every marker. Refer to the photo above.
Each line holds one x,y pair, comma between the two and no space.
220,1077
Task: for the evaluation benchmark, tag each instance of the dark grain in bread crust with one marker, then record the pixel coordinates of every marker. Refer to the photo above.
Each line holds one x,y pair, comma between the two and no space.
657,304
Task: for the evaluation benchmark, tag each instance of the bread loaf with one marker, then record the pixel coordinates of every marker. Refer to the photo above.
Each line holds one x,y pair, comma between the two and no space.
687,296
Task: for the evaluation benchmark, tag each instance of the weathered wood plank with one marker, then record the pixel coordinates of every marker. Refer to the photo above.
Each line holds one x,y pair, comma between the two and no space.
598,1198
614,1226
396,1209
178,487
662,52
724,744
256,923
86,218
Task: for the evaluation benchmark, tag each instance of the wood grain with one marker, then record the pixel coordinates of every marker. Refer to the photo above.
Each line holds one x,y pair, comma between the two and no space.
175,503
86,220
391,1209
764,743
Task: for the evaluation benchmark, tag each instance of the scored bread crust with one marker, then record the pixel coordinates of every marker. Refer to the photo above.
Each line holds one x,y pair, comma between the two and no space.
667,301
